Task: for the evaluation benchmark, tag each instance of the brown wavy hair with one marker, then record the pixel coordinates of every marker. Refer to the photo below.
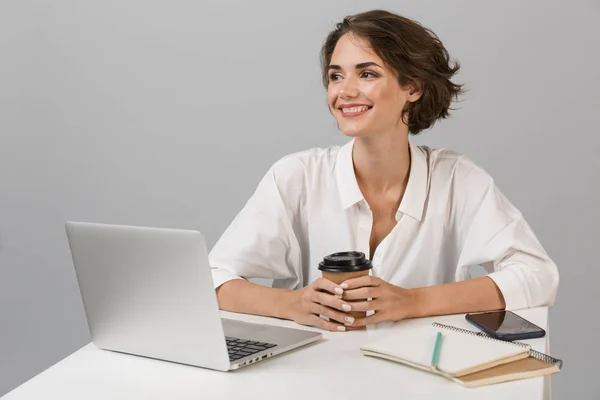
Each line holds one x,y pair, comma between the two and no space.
414,52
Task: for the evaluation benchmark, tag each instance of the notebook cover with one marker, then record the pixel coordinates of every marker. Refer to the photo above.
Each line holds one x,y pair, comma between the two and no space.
460,354
521,369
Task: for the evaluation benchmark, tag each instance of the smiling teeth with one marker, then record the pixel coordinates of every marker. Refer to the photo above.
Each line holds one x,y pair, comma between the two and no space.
355,109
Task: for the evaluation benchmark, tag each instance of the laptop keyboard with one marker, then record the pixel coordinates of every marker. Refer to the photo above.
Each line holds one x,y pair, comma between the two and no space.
240,348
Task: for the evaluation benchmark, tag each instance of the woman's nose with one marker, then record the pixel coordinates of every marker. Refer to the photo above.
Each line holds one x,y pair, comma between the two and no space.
349,88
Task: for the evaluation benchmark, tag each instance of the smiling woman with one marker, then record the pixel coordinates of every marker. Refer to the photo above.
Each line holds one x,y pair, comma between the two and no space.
387,57
423,216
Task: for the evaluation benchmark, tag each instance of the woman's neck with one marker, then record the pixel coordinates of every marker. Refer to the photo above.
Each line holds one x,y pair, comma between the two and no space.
382,163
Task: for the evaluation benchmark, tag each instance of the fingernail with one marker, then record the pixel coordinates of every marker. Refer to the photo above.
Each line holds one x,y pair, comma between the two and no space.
341,328
349,320
344,286
338,290
346,307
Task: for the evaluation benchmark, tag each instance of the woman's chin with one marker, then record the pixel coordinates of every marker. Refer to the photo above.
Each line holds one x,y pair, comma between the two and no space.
354,133
350,130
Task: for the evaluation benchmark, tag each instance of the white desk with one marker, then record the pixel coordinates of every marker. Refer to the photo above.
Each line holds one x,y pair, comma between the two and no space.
333,368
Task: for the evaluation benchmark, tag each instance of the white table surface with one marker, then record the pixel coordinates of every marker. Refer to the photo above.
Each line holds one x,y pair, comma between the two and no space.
333,368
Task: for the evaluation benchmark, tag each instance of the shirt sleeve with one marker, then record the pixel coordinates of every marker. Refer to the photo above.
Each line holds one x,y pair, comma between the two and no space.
495,235
260,241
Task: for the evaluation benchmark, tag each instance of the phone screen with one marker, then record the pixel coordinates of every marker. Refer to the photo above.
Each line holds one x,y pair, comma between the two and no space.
505,322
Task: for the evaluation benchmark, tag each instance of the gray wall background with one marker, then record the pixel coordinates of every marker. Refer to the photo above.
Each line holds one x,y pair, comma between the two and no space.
168,113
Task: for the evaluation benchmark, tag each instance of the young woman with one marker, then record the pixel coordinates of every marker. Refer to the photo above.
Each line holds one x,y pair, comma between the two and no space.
423,216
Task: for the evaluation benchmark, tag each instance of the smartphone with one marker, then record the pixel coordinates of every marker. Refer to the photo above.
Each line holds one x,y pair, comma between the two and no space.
505,325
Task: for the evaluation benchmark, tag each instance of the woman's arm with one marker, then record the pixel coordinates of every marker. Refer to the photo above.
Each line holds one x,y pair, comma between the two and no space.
305,306
495,235
473,295
241,296
393,303
261,243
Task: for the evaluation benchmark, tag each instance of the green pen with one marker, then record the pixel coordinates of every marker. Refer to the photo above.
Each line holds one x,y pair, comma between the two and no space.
436,351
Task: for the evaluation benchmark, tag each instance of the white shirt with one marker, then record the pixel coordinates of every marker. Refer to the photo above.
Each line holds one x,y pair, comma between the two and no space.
451,217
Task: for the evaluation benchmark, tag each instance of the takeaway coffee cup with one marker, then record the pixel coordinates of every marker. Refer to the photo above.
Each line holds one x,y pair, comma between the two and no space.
339,267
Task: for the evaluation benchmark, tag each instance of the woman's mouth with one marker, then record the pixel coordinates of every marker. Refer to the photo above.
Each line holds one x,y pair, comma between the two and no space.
353,111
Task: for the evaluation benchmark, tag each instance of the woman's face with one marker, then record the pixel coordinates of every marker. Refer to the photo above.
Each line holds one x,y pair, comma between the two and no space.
363,94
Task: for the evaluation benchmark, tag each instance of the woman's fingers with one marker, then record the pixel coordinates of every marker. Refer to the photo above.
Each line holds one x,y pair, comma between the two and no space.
328,286
327,325
332,314
361,281
373,305
329,300
360,293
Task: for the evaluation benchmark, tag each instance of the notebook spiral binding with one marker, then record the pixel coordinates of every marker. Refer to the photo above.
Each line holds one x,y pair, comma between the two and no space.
533,353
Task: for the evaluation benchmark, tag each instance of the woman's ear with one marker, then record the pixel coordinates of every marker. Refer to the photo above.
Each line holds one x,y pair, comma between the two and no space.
414,93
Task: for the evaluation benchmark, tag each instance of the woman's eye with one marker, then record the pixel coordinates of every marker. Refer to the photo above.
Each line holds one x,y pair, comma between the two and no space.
334,77
369,74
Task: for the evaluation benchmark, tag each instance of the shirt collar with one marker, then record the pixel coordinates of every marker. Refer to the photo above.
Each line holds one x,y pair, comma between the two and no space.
350,193
413,201
415,195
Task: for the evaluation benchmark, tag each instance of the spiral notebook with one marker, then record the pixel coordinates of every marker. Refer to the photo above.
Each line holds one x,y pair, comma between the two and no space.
469,358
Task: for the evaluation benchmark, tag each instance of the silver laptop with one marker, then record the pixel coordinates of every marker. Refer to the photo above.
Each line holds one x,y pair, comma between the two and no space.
149,292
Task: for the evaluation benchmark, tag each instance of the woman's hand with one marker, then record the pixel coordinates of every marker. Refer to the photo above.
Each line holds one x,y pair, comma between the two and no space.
390,303
322,297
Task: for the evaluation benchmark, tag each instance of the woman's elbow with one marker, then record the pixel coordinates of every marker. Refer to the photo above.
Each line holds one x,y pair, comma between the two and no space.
551,283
